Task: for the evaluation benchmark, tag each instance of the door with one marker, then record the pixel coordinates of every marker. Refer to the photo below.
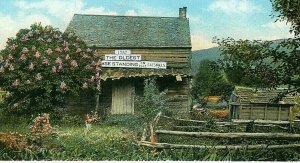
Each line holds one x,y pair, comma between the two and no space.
122,97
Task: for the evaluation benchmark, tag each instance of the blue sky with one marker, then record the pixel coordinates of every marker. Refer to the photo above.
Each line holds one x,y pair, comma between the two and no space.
240,19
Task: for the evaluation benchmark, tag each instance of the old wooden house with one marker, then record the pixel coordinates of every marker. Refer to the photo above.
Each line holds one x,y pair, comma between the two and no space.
251,104
154,47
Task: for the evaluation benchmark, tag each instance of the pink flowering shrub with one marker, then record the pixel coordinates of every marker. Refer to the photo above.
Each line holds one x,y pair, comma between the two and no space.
41,66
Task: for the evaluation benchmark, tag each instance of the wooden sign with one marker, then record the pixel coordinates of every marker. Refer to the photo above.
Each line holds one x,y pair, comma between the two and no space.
122,52
125,57
135,64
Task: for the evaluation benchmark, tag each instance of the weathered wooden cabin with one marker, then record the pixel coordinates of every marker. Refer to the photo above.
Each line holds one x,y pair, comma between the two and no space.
251,104
163,48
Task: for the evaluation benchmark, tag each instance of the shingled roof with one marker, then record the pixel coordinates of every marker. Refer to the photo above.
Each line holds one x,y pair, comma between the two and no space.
105,31
248,95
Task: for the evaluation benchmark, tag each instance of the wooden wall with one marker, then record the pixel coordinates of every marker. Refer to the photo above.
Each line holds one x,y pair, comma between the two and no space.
263,111
175,58
80,105
178,93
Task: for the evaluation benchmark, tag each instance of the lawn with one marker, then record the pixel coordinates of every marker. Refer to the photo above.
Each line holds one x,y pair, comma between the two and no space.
115,139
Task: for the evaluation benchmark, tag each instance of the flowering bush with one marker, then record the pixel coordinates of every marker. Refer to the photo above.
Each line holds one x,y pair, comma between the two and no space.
41,126
41,66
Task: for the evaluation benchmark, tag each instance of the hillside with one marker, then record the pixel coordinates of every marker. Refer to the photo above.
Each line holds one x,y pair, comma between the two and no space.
200,55
212,54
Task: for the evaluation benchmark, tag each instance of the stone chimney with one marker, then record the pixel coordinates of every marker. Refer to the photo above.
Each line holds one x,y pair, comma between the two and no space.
182,12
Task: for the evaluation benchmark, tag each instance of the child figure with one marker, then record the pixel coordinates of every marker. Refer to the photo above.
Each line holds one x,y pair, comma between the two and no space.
87,123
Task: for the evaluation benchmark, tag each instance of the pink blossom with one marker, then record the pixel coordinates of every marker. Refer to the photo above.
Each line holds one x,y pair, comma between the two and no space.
97,68
62,85
30,34
66,49
58,61
8,94
85,85
25,50
15,105
85,56
33,48
37,54
40,39
87,67
67,57
1,69
24,38
1,59
78,50
58,49
97,76
70,35
10,57
74,63
27,82
60,67
23,57
88,50
55,35
45,62
92,79
49,51
38,77
31,66
15,83
66,44
37,31
54,69
11,68
95,53
14,46
6,63
98,63
93,63
98,87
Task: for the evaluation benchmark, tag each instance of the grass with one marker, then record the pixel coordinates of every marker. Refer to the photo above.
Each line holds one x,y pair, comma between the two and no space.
115,139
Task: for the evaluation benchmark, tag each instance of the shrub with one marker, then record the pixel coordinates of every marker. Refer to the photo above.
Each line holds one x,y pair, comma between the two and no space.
41,66
152,101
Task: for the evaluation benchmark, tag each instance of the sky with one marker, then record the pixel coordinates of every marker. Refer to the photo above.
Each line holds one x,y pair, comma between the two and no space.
239,19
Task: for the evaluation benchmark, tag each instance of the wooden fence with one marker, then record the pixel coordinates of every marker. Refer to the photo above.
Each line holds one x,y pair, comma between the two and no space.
294,139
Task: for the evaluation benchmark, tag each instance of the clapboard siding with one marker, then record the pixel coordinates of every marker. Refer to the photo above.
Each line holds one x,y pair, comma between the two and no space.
175,58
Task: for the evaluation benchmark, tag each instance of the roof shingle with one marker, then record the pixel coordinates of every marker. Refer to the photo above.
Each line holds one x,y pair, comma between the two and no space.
105,31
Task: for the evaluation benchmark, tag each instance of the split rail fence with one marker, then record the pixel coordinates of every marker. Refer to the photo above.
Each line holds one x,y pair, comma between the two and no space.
156,134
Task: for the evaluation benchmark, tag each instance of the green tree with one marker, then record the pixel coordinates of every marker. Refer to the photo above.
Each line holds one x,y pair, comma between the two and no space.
41,66
249,62
288,10
209,81
267,64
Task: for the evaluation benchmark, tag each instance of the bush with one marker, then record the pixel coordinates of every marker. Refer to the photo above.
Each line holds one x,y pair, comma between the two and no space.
41,66
152,101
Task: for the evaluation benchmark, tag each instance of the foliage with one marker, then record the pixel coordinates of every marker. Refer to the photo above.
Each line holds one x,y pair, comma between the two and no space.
41,66
115,140
288,10
209,81
152,101
261,63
